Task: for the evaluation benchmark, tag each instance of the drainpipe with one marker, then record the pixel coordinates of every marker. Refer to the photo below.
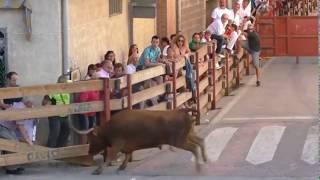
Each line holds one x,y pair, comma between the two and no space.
178,10
65,36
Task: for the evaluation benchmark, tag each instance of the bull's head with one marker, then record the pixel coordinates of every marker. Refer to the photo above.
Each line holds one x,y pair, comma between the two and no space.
97,141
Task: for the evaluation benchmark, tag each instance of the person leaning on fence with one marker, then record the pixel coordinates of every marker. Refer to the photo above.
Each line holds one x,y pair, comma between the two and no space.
150,58
15,130
59,129
88,120
252,45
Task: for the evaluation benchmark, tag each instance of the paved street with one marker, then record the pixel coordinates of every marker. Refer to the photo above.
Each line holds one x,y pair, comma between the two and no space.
270,132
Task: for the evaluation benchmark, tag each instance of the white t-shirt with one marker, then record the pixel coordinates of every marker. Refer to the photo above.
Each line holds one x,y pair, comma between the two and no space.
233,39
217,27
218,12
235,17
165,49
245,11
103,74
131,69
246,24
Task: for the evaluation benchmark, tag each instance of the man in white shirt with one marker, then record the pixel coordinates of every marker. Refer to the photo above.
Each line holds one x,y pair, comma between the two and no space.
220,10
245,9
234,14
217,29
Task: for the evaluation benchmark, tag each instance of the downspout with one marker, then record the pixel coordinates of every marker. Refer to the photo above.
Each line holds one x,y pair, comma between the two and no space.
178,9
65,36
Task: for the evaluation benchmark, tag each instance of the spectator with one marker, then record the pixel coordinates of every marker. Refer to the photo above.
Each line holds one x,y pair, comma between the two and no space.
11,130
133,49
59,129
151,55
235,14
252,45
92,70
172,39
165,43
98,66
245,9
217,29
233,38
220,10
106,69
111,56
180,47
118,70
206,38
195,43
87,120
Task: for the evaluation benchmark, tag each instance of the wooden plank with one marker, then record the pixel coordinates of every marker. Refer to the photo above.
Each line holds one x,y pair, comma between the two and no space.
181,81
16,146
219,87
43,155
42,90
180,64
203,51
203,84
203,68
148,93
183,97
203,100
218,73
159,107
148,74
47,111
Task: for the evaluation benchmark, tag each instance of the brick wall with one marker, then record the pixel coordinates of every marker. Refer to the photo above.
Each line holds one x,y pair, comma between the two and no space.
193,16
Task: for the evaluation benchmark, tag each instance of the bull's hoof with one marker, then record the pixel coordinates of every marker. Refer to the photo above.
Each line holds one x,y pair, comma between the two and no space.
121,168
97,171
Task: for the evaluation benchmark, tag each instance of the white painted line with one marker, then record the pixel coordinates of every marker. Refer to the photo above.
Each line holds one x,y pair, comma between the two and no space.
265,144
272,118
311,146
216,142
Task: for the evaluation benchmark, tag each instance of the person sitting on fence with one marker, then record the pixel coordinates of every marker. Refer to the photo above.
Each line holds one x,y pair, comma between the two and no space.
59,129
252,45
92,71
217,29
106,70
220,10
110,56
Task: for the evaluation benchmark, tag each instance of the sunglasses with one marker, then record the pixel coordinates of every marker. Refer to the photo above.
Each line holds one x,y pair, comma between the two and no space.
181,40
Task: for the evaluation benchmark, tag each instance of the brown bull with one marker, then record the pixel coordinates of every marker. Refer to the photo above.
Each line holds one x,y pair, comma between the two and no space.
131,130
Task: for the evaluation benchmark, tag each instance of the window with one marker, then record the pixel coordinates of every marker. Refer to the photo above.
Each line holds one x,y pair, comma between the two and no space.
115,7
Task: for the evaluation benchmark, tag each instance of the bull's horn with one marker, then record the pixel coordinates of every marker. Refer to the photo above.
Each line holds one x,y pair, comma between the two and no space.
84,132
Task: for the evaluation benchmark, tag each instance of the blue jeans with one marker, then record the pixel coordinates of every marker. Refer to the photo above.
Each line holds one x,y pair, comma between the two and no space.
86,122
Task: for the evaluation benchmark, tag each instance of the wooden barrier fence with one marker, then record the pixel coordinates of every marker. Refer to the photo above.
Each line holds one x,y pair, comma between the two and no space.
211,85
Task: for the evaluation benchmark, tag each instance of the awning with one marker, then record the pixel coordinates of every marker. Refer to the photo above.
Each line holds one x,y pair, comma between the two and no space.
16,4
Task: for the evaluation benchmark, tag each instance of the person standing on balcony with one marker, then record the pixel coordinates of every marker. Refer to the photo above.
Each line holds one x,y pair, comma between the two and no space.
220,10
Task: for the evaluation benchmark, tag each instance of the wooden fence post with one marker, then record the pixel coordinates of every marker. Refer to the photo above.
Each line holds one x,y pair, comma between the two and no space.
213,66
197,86
237,62
227,74
129,88
174,85
248,65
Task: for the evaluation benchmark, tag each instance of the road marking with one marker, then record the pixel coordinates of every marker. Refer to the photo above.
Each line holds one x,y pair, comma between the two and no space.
272,118
311,146
265,144
217,140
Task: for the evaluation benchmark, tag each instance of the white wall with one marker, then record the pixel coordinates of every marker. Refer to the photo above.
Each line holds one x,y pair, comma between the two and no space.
37,61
